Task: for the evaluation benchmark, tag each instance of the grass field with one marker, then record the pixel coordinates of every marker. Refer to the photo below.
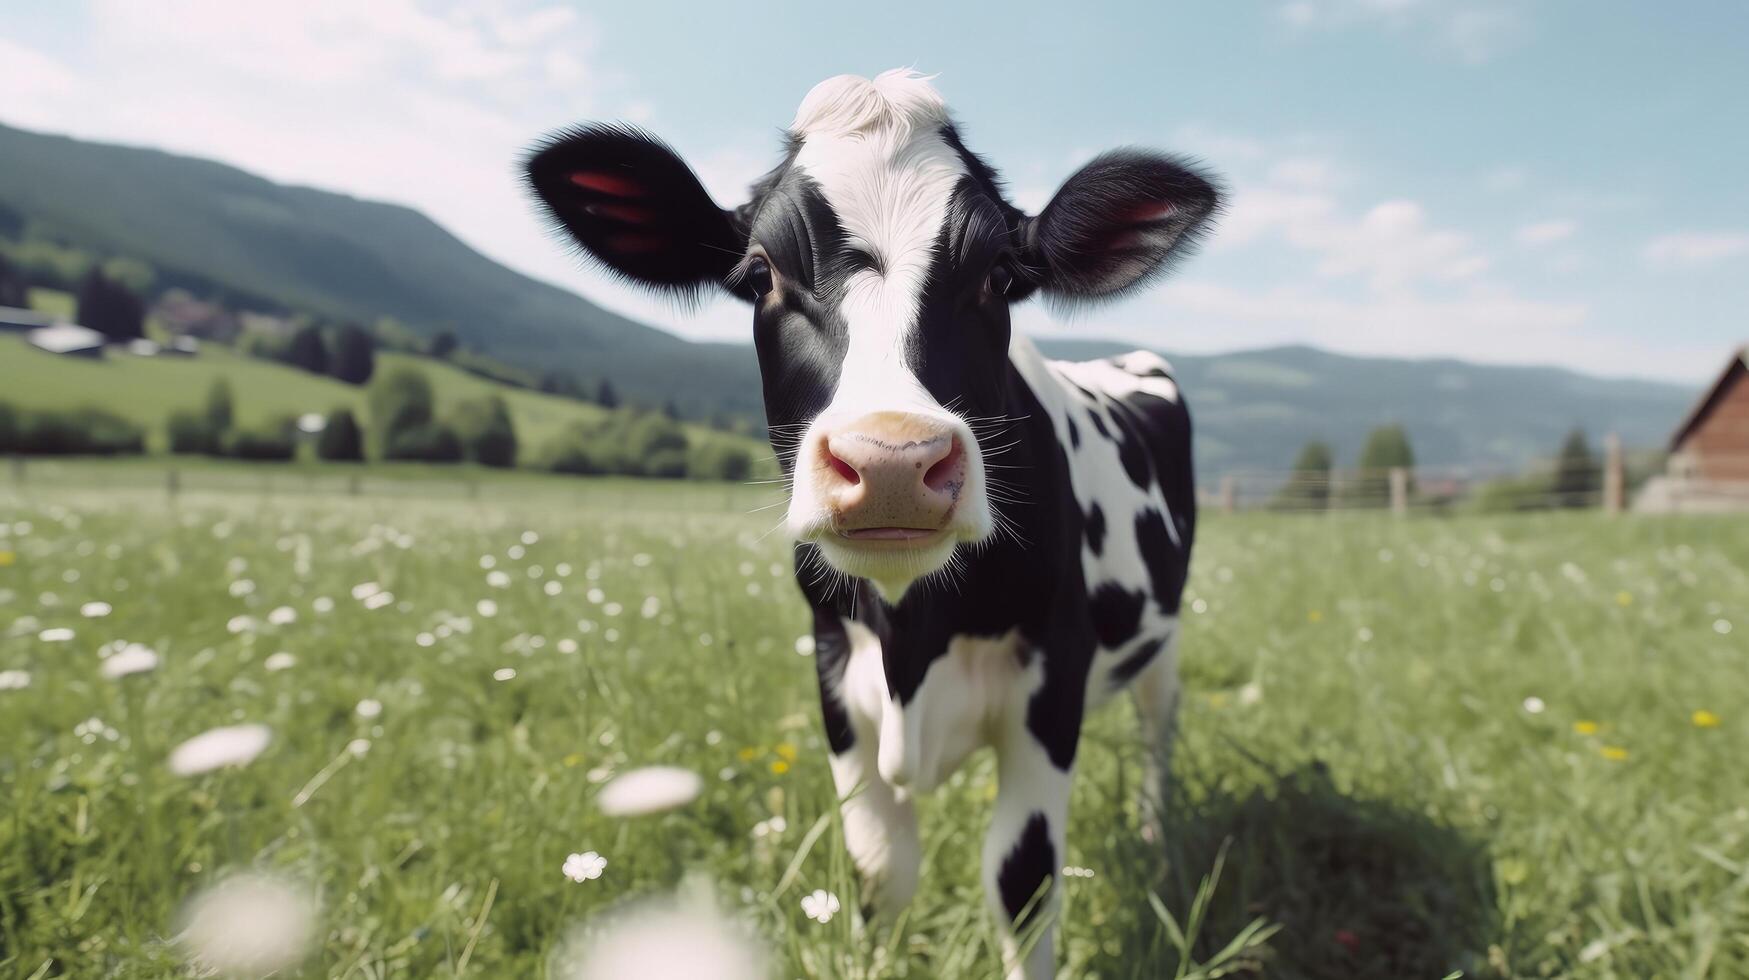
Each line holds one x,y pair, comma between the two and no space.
148,389
1506,747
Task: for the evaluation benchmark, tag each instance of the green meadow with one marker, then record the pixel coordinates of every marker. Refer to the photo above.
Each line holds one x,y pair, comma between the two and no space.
1504,747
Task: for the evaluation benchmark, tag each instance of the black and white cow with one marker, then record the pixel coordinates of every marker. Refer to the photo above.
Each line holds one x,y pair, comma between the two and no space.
992,543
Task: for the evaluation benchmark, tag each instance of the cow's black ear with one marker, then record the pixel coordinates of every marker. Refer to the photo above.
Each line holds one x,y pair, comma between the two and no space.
634,206
1118,222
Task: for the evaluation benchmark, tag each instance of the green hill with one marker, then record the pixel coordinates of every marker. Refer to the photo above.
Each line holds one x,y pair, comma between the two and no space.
148,389
223,231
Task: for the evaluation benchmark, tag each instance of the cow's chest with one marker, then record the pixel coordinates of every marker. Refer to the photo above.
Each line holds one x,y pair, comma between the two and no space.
966,695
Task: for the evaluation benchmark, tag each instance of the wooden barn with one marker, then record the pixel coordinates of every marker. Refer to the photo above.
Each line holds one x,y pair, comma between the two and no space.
1708,468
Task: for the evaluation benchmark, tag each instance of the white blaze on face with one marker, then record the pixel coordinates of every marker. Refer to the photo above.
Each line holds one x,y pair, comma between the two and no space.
876,152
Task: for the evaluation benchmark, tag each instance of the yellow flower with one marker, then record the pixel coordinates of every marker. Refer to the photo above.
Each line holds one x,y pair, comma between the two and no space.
1624,598
1703,718
7,558
1614,753
1587,727
785,751
573,759
747,754
779,767
1315,616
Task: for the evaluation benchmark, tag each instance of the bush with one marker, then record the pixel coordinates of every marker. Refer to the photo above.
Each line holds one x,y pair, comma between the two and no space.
191,434
109,307
487,434
275,442
341,441
354,355
400,402
720,461
624,443
8,428
306,350
220,407
429,443
79,431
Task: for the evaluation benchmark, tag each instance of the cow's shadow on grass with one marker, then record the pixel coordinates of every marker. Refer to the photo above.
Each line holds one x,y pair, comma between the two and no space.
1359,888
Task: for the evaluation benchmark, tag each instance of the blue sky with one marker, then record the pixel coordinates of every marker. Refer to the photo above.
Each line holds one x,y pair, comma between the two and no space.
1548,181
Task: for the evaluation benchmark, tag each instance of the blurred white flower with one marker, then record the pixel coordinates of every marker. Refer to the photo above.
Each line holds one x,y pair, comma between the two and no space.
242,587
55,634
584,867
233,745
821,906
136,658
241,624
595,596
652,789
562,569
552,588
1534,705
498,579
96,610
283,616
358,747
659,941
280,661
515,552
322,604
770,828
567,645
379,600
248,925
504,674
1722,627
612,609
425,639
369,708
641,559
529,537
486,608
805,645
1251,693
14,680
487,561
1075,871
652,606
364,590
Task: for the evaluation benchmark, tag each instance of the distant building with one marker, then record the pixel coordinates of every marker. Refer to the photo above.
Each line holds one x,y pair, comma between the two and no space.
15,320
1708,469
181,314
67,338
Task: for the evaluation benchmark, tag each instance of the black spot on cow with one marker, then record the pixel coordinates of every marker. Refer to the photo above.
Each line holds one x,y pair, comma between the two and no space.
1132,449
1074,433
831,654
1164,559
1116,613
1098,421
1127,668
1028,871
1095,528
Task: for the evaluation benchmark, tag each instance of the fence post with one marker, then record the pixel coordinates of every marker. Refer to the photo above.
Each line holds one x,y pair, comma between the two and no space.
1229,494
1614,477
1399,491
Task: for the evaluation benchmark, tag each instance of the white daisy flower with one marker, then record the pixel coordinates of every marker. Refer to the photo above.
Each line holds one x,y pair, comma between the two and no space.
14,680
242,587
1534,705
322,604
486,608
358,747
552,588
567,645
805,645
241,624
529,537
515,552
55,634
369,708
821,906
280,661
499,579
584,867
232,745
248,925
487,562
652,789
96,610
364,590
504,674
379,600
425,639
283,616
660,940
136,658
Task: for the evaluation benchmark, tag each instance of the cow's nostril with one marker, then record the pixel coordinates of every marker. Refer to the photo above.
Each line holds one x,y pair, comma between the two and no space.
949,471
845,471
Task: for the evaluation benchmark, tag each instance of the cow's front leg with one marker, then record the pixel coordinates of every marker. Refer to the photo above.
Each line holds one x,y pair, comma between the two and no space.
880,822
1035,758
1156,694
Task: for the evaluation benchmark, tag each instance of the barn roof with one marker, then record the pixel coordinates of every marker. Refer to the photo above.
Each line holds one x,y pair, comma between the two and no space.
1738,364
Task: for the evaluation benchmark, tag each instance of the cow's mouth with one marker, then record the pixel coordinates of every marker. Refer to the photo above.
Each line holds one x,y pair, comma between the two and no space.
890,534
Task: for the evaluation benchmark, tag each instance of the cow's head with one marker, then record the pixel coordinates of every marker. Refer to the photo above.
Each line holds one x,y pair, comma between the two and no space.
880,258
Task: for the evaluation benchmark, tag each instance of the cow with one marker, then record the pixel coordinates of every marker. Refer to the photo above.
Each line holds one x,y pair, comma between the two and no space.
992,543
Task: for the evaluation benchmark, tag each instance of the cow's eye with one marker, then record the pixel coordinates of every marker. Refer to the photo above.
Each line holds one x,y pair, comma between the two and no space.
758,277
1000,280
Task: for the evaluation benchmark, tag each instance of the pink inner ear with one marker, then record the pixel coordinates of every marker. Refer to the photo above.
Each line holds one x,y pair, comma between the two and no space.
636,244
606,183
1118,241
1152,211
627,213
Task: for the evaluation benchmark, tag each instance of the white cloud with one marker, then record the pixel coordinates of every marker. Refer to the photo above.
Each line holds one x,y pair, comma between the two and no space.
1476,31
1546,232
1695,248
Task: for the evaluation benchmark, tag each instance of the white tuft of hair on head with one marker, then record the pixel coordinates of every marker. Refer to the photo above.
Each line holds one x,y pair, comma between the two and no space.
896,101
